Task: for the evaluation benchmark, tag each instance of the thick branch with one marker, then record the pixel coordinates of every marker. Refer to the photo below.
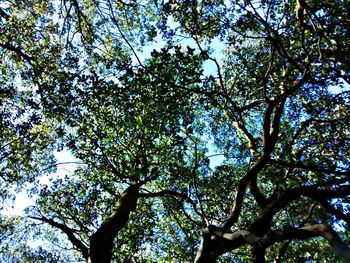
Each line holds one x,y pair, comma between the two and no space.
307,232
268,146
238,123
337,213
270,137
262,223
258,254
3,13
316,193
250,105
297,84
69,232
18,51
101,242
312,168
269,140
237,207
216,242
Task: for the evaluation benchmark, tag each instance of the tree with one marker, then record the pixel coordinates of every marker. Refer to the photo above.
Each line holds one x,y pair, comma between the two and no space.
144,127
25,139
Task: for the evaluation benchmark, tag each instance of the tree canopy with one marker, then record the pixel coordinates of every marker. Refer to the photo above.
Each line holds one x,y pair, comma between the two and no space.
205,131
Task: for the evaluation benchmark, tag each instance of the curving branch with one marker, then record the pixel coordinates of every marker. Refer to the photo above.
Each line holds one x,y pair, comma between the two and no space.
309,167
261,225
306,232
18,51
332,210
82,18
270,137
240,192
101,242
216,241
68,231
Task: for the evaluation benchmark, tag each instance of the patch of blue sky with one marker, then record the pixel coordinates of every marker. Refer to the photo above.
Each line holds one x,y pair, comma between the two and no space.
66,165
343,86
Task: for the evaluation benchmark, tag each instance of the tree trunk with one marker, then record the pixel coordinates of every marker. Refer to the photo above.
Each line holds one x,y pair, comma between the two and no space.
258,255
101,242
205,256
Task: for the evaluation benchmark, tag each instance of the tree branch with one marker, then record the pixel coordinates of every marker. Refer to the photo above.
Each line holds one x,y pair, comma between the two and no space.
307,232
18,51
164,193
337,213
101,242
269,141
68,231
311,168
215,242
241,188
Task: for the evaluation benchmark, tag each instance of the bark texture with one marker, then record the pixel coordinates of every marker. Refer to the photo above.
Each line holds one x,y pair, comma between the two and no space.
101,242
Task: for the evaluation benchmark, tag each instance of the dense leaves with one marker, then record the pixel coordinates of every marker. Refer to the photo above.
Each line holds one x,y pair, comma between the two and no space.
199,130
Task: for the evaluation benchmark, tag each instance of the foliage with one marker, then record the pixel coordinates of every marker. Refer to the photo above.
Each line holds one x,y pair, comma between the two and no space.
145,95
19,243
